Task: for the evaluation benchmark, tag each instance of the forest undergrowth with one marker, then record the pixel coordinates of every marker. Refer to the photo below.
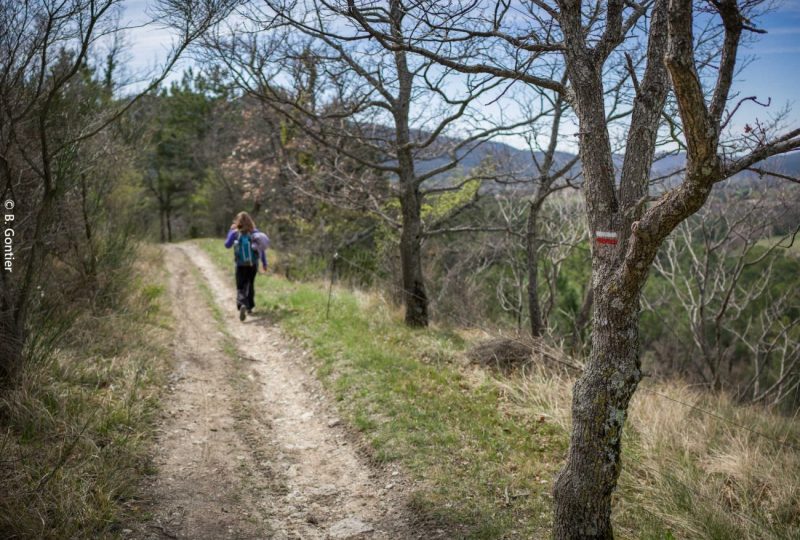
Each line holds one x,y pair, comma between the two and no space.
76,429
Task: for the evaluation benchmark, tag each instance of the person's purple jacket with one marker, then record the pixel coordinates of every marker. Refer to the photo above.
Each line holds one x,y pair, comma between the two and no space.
260,243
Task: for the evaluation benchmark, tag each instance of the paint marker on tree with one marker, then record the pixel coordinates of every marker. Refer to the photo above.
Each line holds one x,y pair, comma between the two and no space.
604,237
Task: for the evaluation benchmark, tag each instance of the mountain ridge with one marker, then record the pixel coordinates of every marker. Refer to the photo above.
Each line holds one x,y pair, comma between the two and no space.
519,163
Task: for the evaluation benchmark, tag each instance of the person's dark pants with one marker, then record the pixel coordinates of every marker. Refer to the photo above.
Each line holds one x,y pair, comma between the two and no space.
245,286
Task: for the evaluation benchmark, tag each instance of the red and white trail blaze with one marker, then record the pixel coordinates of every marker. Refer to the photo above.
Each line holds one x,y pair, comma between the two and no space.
604,237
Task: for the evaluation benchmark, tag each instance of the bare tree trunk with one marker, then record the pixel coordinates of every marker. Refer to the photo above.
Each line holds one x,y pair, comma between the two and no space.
582,490
91,266
584,487
168,218
532,246
416,300
582,318
162,224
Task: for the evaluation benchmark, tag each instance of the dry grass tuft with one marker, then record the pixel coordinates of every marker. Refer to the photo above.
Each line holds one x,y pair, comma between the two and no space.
687,473
711,474
501,353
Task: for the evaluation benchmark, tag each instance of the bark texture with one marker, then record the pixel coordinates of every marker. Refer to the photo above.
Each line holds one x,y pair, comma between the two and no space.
583,489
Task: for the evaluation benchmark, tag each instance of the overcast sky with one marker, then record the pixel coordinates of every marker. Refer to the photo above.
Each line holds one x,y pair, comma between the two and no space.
773,73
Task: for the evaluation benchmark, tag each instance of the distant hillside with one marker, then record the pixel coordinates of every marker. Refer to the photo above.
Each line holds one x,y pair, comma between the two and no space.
504,158
519,164
788,164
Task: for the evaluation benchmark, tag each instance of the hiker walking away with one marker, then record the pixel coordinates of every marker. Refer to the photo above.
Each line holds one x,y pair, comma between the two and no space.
249,245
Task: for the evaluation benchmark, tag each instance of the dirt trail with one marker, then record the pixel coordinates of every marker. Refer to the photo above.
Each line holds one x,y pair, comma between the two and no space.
251,447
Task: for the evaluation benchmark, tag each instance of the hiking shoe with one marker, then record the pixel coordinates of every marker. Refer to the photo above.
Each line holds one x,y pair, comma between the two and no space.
242,313
250,311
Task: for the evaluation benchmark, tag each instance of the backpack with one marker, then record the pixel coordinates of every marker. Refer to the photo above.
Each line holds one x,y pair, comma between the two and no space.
260,241
244,252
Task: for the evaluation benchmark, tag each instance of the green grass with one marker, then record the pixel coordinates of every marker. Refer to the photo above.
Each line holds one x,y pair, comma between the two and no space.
76,428
482,470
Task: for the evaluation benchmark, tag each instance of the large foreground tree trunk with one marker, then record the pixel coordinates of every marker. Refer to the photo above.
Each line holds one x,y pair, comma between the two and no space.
583,489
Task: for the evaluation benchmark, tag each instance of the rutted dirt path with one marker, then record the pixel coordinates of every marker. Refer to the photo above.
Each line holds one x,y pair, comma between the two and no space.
251,446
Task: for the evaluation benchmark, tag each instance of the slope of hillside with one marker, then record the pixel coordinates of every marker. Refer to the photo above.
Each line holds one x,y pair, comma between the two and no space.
482,447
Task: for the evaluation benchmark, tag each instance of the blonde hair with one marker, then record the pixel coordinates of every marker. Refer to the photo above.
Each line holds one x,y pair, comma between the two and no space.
244,223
